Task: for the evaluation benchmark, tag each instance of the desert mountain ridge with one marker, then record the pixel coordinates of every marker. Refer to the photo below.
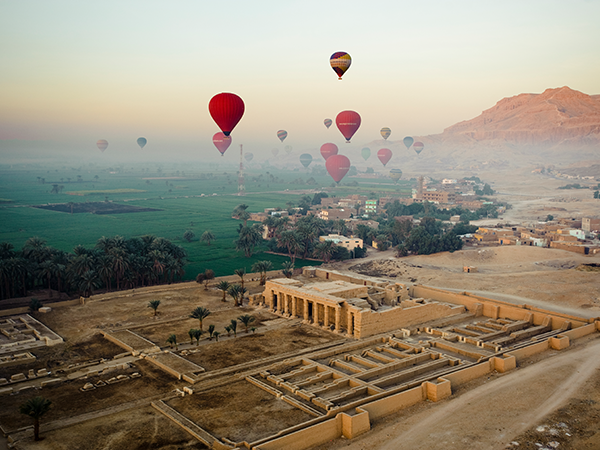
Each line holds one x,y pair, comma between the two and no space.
560,125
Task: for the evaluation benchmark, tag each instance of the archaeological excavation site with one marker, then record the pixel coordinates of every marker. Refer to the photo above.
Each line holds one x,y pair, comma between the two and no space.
328,355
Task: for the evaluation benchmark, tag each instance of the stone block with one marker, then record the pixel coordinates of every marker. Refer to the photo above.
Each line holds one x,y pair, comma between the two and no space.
50,382
43,373
18,377
188,390
31,374
3,381
6,391
45,309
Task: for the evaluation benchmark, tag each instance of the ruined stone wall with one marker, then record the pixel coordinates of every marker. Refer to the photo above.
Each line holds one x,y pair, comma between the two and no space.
369,323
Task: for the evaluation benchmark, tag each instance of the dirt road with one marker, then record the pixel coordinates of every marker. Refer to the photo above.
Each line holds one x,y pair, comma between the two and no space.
492,414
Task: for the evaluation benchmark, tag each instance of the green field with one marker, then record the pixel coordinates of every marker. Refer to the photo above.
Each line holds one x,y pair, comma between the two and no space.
186,203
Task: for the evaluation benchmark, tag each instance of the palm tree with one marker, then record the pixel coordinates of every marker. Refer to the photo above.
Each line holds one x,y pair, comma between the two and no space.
35,408
191,334
249,238
189,235
240,273
172,341
88,282
233,327
324,250
237,292
239,209
216,334
223,286
290,240
246,320
288,269
197,335
200,313
263,267
154,305
228,329
244,215
211,331
207,237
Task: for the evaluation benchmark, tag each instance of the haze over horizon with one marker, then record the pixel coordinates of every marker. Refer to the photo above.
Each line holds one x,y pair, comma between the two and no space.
75,72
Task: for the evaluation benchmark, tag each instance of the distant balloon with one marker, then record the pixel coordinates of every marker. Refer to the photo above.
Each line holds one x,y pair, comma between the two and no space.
328,150
337,166
275,151
288,149
365,152
142,141
227,110
282,134
340,62
249,156
385,132
306,159
384,155
348,123
408,141
222,142
102,144
418,147
395,174
328,122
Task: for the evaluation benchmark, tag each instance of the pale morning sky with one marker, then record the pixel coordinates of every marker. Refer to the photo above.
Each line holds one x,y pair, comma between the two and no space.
73,72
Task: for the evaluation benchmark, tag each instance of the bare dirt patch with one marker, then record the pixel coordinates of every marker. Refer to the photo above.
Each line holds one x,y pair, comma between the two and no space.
69,401
250,347
239,411
143,429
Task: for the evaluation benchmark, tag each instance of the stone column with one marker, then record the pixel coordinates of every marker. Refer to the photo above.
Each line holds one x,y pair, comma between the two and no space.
338,316
286,306
350,324
326,316
271,300
294,305
306,309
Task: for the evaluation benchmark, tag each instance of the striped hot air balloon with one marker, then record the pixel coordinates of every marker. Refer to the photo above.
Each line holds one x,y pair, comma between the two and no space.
340,63
395,174
418,147
282,134
328,122
385,132
102,144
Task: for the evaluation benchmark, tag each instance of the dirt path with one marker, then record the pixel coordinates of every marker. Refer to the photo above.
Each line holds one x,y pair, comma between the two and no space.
492,414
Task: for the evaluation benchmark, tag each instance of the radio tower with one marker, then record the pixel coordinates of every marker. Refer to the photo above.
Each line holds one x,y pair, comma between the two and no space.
241,187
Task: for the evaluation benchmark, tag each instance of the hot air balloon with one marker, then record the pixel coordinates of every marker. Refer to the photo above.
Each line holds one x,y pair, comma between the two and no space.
337,166
395,174
226,109
275,151
328,122
385,133
340,62
306,159
348,122
328,150
408,141
249,156
222,142
384,155
102,144
288,149
365,152
142,141
418,147
282,134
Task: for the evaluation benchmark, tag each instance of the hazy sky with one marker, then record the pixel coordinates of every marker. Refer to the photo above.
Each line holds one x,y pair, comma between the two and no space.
73,72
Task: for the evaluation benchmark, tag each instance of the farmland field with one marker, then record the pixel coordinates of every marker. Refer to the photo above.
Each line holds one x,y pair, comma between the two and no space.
196,201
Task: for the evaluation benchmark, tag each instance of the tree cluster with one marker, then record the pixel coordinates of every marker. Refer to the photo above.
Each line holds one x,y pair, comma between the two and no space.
114,263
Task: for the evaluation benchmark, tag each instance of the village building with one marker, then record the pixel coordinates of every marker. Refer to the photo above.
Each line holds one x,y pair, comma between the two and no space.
349,243
334,214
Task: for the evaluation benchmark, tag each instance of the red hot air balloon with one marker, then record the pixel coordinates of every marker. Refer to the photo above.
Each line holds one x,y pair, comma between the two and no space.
222,142
337,166
328,150
102,144
347,122
226,109
384,155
